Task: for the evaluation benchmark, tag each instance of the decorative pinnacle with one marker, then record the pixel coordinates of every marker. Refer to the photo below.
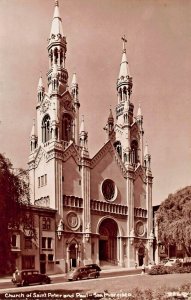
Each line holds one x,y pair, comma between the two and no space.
124,41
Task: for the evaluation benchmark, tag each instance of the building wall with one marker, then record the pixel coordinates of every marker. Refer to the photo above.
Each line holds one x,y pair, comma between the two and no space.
72,178
107,168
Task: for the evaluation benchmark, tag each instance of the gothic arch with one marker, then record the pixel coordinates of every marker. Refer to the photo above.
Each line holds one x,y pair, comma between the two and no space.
73,250
46,132
124,93
67,127
120,94
108,245
118,148
134,151
120,233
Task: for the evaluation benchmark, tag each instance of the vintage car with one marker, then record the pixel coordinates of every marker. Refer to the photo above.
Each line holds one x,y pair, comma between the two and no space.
94,266
26,277
82,273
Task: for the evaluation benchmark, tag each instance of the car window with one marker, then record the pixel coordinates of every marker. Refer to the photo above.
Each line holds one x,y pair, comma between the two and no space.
29,273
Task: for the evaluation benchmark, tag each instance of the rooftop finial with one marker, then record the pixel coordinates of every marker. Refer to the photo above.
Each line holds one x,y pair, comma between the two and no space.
124,41
56,3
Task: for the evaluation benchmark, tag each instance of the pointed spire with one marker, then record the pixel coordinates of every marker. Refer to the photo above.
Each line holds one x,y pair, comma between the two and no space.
146,152
40,90
56,28
40,83
139,113
124,67
83,136
110,118
74,80
33,129
82,126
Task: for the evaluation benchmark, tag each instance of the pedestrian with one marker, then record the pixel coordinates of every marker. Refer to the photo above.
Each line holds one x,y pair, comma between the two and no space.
135,265
143,269
15,274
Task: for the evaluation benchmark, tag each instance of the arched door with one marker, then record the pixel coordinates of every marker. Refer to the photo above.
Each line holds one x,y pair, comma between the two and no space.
141,254
108,241
73,250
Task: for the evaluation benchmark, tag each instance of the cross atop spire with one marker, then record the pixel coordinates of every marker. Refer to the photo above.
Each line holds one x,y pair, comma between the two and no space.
56,3
124,41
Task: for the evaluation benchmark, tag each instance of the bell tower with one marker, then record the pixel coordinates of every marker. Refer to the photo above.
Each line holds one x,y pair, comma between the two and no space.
57,122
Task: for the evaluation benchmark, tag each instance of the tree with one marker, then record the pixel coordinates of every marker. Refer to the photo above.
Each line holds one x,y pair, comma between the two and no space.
174,220
15,212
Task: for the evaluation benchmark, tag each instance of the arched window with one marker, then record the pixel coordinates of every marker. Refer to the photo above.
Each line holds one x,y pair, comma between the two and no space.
61,57
117,146
51,56
124,93
46,129
120,94
134,151
125,118
67,127
55,55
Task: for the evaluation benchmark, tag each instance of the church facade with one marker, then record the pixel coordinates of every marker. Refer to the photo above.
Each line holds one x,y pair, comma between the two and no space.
103,204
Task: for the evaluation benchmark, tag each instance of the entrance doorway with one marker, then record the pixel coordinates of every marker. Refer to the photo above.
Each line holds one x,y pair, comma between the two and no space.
108,241
141,254
73,249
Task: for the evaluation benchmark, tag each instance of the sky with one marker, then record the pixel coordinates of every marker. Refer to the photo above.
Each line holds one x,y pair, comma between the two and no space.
158,46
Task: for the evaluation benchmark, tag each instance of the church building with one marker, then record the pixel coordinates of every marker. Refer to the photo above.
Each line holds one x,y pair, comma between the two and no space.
103,204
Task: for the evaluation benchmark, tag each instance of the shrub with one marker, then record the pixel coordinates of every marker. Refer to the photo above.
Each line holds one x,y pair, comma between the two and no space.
158,270
176,268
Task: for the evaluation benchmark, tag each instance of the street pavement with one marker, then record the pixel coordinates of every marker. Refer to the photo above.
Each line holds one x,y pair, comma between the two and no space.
103,271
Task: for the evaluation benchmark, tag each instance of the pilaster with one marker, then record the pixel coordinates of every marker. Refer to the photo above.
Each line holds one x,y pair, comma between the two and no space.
85,172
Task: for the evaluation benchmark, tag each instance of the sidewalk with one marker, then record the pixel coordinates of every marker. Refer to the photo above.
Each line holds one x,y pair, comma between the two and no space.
104,270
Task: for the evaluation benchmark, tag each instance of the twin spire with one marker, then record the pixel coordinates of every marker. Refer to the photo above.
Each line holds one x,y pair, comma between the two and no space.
56,27
124,66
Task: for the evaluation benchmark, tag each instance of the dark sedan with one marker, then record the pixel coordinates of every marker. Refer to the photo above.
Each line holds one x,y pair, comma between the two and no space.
26,277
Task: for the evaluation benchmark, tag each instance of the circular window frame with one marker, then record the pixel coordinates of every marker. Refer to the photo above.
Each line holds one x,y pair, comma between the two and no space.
137,230
115,192
75,227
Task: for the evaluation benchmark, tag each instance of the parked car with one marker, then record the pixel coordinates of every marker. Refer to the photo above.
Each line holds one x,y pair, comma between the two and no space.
26,277
171,262
94,266
83,273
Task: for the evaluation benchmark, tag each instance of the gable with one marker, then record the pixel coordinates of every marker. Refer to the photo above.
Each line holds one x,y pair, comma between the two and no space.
140,188
134,131
107,166
71,177
108,147
41,154
72,151
66,102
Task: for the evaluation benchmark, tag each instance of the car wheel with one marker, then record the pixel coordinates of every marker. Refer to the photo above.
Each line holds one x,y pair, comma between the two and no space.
47,281
24,283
